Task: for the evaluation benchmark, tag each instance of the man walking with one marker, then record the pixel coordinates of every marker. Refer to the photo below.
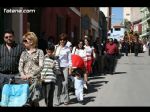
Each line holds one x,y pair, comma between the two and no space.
9,58
110,50
126,47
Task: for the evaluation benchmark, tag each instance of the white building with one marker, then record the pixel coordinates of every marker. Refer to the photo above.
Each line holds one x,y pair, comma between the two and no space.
105,10
145,22
117,32
108,13
133,14
127,13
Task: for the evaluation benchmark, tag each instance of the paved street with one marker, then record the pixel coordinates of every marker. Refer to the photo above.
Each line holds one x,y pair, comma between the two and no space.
129,86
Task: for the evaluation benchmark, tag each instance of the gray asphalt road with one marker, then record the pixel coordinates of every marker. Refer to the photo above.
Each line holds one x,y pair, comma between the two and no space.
129,86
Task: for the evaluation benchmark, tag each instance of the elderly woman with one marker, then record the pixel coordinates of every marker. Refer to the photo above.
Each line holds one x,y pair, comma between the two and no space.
64,54
31,60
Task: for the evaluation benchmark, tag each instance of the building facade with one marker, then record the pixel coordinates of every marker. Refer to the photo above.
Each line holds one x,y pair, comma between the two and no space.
89,22
51,20
11,21
133,15
102,27
108,14
136,19
54,21
145,11
127,13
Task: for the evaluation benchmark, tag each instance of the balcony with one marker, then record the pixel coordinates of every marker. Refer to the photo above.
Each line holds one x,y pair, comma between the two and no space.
146,18
148,29
148,15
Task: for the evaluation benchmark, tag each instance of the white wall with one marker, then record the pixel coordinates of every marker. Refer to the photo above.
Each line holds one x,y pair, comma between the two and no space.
105,10
117,34
135,14
127,13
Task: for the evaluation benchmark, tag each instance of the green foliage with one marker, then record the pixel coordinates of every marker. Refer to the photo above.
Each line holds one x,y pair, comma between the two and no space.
127,24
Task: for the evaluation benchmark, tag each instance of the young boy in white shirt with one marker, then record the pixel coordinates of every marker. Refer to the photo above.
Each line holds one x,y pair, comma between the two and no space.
79,85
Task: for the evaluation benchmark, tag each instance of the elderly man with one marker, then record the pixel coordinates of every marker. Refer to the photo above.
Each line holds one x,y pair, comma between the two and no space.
111,50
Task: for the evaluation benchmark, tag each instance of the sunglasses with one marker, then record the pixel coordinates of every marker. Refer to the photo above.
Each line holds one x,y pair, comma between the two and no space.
25,41
8,37
62,39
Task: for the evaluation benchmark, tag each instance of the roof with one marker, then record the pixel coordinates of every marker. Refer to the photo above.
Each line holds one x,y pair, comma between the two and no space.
118,25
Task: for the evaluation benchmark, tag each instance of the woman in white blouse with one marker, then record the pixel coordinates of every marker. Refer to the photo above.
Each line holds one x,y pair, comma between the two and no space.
90,55
64,54
80,50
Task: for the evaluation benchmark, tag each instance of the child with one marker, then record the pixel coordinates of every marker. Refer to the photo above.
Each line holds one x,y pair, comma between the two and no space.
78,84
48,76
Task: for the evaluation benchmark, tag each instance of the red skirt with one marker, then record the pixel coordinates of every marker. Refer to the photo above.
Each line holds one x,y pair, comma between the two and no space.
88,66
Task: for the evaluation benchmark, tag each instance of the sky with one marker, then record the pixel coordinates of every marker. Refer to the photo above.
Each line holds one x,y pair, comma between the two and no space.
117,14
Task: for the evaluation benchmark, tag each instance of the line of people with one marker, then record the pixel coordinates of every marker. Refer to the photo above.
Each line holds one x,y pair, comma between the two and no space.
26,61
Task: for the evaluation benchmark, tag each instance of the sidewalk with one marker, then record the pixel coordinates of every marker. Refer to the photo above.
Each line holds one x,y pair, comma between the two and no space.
95,84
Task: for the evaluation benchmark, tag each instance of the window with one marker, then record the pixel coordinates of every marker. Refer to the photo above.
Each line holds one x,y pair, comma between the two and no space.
127,14
60,25
117,29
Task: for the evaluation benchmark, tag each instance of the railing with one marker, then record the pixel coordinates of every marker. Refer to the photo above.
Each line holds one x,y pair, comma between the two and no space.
148,29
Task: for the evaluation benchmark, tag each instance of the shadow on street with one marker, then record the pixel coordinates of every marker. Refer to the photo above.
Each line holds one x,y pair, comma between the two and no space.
120,72
95,77
86,100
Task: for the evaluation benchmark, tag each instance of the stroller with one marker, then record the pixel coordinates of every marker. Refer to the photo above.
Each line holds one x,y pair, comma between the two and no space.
22,94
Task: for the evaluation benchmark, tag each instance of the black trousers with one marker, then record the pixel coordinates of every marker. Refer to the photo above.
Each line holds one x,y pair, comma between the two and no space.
136,51
110,60
126,52
48,92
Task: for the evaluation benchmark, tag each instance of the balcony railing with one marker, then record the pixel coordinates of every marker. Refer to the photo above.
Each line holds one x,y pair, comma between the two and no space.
147,17
144,31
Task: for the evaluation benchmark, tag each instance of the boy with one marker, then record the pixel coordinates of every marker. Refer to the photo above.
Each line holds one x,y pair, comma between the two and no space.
48,76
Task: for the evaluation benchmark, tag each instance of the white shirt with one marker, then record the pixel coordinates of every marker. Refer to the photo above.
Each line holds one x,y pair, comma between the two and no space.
89,52
64,54
80,52
68,43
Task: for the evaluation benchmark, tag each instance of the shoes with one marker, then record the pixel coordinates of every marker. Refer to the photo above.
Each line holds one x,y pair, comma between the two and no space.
66,103
85,91
81,102
56,105
85,86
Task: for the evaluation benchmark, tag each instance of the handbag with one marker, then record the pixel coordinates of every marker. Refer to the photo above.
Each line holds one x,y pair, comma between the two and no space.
57,71
14,95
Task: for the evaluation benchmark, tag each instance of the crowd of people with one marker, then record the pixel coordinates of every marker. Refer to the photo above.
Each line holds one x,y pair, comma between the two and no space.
52,65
